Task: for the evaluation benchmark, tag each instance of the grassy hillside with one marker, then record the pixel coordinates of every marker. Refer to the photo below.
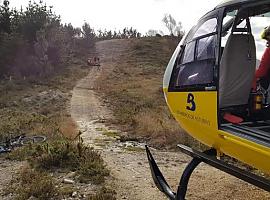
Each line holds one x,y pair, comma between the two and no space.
134,91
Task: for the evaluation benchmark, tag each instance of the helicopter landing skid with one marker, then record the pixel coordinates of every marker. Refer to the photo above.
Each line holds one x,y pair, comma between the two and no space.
208,157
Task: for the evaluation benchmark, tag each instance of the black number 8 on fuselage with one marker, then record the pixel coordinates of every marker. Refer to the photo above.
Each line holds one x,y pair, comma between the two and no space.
191,102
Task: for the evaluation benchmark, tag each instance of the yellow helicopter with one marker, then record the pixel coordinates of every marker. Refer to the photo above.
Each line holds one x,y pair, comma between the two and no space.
208,88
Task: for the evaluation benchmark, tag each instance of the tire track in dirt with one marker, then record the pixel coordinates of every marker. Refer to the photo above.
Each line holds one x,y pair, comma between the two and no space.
131,175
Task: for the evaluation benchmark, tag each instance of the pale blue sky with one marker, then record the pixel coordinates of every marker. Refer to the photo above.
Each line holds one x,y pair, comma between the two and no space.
117,14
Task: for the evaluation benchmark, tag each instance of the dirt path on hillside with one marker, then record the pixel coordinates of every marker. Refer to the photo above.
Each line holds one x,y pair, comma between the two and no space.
127,161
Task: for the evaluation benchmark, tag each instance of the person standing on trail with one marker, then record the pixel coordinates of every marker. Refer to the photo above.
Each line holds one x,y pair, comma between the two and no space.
98,63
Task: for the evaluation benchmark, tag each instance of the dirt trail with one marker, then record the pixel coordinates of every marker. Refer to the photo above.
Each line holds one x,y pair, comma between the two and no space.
132,178
8,169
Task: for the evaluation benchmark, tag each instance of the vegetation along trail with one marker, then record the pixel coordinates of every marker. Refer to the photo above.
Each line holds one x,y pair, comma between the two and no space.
126,159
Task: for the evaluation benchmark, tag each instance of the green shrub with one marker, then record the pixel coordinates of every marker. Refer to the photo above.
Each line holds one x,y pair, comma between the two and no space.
59,154
75,156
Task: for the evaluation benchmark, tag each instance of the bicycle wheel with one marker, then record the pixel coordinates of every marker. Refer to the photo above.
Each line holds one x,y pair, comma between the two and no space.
33,139
39,138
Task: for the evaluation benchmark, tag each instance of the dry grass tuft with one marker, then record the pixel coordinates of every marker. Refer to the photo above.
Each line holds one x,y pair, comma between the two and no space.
34,184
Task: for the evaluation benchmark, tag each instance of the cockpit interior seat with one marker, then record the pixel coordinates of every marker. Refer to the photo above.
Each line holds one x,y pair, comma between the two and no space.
237,69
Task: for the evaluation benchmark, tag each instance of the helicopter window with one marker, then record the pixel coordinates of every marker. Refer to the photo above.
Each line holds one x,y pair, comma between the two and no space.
200,71
242,25
227,26
193,74
189,52
229,16
228,22
207,27
206,48
194,67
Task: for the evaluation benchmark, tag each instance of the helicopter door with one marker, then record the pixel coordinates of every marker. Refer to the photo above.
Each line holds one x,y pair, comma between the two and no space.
237,67
192,94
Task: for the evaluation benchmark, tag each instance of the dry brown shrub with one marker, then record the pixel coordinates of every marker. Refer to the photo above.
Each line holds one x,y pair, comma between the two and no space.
68,128
148,123
161,129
